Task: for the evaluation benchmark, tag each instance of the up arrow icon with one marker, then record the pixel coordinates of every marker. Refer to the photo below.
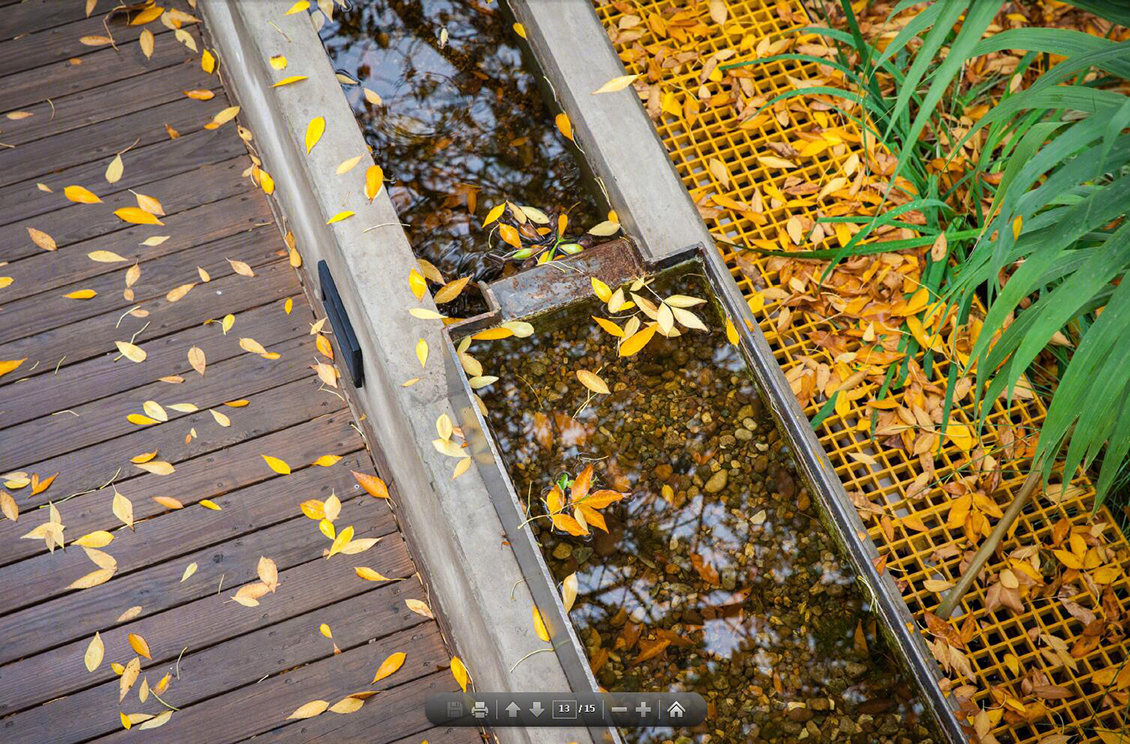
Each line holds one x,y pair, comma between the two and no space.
537,708
512,710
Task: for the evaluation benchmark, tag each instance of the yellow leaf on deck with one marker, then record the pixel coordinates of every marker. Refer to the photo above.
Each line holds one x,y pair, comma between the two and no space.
131,352
189,570
96,539
390,665
372,484
209,504
277,465
122,508
222,117
92,579
314,707
314,131
114,169
151,13
326,461
340,541
417,283
298,7
252,346
278,62
349,704
241,267
9,365
339,217
137,216
81,294
196,359
369,574
207,62
140,420
104,257
200,95
347,165
179,292
138,644
149,204
420,608
41,239
160,467
81,195
422,352
459,671
94,653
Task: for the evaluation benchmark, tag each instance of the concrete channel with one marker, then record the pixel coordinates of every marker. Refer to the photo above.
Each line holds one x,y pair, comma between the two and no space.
485,574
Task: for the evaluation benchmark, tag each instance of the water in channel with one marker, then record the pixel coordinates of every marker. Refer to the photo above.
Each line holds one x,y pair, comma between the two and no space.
716,574
460,128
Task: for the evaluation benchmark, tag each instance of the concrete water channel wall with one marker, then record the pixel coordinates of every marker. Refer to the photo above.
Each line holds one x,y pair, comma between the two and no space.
485,574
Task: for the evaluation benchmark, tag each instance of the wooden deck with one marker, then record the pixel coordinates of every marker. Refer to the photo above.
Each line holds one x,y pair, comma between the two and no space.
237,672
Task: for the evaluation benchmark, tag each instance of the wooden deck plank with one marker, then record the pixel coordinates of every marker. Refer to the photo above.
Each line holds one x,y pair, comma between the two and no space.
97,335
105,419
228,665
265,705
101,376
172,533
50,119
100,142
99,68
20,202
56,668
241,670
61,43
281,422
444,736
52,308
47,270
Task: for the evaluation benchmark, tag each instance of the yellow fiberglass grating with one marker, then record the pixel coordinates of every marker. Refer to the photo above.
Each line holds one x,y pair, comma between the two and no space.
1053,665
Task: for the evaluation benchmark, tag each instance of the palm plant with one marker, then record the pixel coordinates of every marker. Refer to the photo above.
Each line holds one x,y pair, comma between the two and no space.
1049,253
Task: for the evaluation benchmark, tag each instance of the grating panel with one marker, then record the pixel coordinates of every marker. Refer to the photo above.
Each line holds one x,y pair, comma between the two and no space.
1018,672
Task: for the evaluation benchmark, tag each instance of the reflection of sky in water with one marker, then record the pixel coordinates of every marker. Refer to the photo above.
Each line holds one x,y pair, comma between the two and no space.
465,115
789,608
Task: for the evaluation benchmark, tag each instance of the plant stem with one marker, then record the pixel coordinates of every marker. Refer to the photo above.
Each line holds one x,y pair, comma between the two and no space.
990,545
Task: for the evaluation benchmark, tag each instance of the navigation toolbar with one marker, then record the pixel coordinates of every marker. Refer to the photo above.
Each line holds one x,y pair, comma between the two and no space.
620,709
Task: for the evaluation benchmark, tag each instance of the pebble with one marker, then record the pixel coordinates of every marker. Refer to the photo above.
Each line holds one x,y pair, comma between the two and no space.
717,481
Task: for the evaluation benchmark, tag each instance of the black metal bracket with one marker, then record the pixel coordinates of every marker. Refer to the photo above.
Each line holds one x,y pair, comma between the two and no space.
343,328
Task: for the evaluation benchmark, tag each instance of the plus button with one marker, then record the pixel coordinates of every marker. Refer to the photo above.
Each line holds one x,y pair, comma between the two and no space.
643,709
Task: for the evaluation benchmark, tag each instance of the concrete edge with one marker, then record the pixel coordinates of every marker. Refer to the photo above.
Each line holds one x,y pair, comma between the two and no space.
475,581
626,152
612,129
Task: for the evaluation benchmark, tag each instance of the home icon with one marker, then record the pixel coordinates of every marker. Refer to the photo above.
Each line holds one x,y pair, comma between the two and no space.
676,710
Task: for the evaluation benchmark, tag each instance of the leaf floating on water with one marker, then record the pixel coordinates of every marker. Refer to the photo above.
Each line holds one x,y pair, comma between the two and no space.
616,84
374,180
569,591
390,665
564,125
372,97
94,653
451,290
131,352
314,707
638,340
494,214
41,239
277,465
593,382
314,131
459,671
81,195
372,484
